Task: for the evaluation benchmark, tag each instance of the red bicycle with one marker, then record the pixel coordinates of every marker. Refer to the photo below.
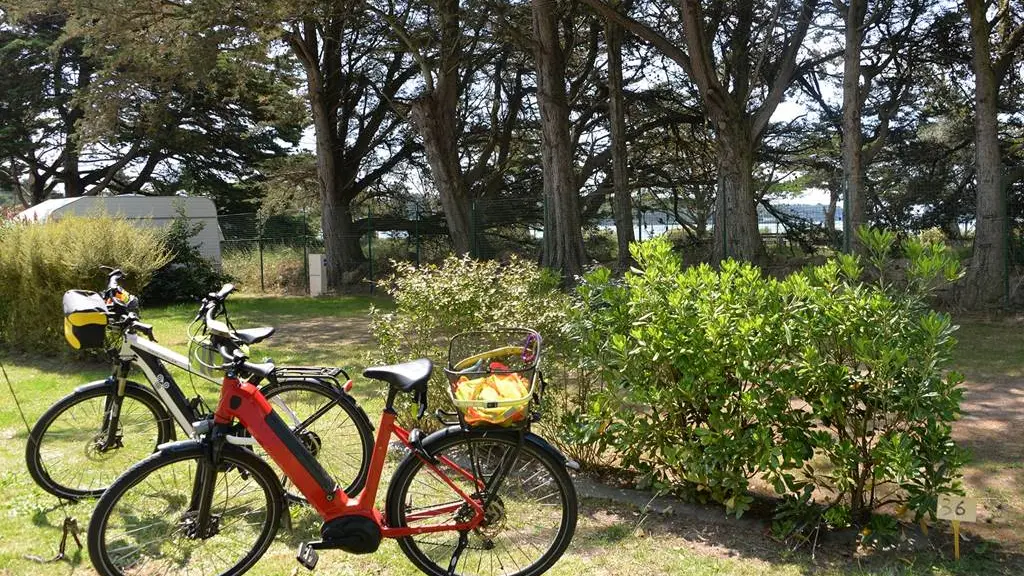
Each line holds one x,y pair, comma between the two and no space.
480,500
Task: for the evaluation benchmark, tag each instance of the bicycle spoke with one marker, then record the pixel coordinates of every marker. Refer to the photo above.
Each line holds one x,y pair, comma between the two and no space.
522,524
150,529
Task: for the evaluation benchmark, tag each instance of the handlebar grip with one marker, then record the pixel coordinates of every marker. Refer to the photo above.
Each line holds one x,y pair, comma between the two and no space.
227,352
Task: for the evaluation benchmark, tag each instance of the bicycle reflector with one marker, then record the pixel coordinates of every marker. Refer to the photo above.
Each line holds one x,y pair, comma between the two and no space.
85,319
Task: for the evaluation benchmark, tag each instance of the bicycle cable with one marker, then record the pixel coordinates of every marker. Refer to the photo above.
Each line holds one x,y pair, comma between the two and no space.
70,525
193,355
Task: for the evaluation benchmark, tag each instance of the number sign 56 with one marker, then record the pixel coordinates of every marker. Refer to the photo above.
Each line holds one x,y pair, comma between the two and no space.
959,508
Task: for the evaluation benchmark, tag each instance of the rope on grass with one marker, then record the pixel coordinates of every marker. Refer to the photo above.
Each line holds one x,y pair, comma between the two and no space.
70,525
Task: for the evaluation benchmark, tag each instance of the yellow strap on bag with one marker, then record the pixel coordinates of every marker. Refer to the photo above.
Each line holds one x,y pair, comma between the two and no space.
81,319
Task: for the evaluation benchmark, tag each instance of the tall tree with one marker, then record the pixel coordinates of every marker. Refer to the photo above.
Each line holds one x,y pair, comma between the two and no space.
563,236
622,205
352,79
472,96
743,59
893,53
87,115
995,47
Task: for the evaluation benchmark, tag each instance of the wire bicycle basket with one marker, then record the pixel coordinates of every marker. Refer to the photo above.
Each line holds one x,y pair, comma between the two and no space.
493,375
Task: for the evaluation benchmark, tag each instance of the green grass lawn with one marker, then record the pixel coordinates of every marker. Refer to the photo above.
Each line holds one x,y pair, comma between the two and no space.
610,539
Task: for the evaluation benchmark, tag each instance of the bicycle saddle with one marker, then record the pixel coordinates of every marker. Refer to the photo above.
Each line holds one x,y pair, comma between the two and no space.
253,335
406,376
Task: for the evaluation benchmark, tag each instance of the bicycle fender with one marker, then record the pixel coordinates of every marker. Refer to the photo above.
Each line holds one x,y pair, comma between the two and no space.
176,446
529,438
108,382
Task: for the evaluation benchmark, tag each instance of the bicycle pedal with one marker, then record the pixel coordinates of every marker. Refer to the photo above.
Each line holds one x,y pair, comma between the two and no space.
307,555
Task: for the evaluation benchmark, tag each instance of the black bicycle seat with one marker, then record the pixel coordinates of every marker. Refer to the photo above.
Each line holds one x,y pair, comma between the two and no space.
406,376
253,335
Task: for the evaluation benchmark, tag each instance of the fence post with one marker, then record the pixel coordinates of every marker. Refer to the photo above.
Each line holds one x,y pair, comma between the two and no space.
259,245
472,230
1008,237
305,249
639,221
416,233
369,243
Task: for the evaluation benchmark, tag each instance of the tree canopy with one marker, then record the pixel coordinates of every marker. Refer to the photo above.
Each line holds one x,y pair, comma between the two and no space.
580,113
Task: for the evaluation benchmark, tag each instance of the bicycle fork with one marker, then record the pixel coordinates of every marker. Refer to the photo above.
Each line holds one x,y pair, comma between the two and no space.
199,522
112,408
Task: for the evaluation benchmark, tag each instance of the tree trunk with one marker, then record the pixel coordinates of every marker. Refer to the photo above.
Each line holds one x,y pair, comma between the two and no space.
72,179
854,213
433,114
621,201
830,213
341,241
563,235
736,232
987,274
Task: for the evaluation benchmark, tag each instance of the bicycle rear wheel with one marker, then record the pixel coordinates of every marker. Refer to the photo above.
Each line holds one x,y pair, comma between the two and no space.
146,522
331,426
528,524
67,453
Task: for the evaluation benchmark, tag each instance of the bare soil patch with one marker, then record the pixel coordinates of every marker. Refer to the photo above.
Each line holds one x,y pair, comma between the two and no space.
991,429
318,332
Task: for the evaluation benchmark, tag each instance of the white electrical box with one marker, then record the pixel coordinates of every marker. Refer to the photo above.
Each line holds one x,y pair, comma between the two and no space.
317,274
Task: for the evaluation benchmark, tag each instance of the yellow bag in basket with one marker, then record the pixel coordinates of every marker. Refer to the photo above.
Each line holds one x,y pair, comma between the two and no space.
493,388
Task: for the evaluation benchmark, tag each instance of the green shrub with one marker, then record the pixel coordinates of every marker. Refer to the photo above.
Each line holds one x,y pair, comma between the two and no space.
188,276
716,377
40,261
435,302
933,235
870,366
699,385
284,271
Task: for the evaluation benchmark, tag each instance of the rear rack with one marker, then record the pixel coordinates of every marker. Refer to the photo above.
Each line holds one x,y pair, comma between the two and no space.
318,372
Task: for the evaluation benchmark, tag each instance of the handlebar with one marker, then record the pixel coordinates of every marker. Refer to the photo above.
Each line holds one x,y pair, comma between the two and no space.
114,277
223,293
212,305
214,325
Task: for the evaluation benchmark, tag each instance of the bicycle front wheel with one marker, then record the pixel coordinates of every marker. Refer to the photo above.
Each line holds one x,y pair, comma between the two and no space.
528,523
69,453
147,521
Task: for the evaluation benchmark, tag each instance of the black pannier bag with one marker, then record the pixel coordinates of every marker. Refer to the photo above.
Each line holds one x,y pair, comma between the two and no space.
85,319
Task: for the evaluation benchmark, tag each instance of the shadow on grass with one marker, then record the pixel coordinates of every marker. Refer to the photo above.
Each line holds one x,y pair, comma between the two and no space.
61,365
610,528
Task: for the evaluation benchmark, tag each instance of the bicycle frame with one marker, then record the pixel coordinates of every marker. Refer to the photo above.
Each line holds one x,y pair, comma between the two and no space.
243,401
150,358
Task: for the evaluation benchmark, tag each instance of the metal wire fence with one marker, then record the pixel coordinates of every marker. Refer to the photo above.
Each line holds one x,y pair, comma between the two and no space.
271,254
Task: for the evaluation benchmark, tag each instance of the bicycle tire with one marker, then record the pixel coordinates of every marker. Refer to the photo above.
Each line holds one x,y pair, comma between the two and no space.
344,446
42,439
407,474
123,494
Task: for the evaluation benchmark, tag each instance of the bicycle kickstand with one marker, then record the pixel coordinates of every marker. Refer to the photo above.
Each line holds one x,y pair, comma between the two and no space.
70,526
459,548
